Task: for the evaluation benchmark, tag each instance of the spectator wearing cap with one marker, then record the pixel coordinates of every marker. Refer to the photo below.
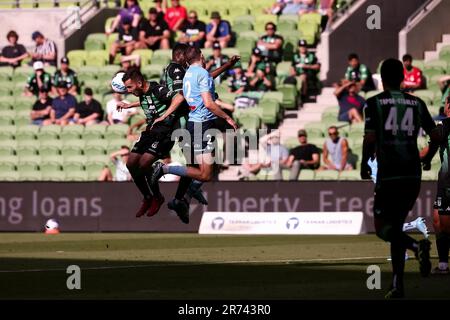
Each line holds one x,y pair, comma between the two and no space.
45,49
271,44
63,106
89,111
216,60
40,113
304,156
67,76
38,80
14,53
193,31
175,16
238,82
125,44
154,34
218,30
260,73
131,11
304,68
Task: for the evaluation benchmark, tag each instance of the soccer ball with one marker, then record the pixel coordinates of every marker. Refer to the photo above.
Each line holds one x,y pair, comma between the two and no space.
51,224
117,84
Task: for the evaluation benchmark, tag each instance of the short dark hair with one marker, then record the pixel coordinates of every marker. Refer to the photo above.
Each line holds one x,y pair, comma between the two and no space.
352,56
392,72
125,147
193,54
88,92
407,57
179,52
12,33
133,74
271,24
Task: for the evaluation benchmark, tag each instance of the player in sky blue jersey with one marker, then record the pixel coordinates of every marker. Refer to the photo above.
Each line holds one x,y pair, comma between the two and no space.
199,92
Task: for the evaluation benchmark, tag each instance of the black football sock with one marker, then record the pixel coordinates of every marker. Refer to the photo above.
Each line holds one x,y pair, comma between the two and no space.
442,245
398,262
193,188
182,188
140,182
409,242
154,188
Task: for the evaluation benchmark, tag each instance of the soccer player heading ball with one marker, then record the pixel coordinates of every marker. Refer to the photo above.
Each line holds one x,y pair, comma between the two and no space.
392,123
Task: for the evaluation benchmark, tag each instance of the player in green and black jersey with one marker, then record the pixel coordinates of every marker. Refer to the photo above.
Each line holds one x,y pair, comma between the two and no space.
441,214
392,123
155,142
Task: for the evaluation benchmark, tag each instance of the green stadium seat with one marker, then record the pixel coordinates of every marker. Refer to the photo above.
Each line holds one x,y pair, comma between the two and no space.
74,163
431,175
444,53
273,95
286,26
269,111
95,41
329,175
96,131
291,142
88,73
146,56
7,147
9,176
249,36
98,158
21,74
53,176
153,70
95,147
77,58
72,148
249,122
350,175
52,159
242,26
6,74
29,132
306,175
117,131
435,67
97,58
426,95
76,176
7,166
248,18
34,160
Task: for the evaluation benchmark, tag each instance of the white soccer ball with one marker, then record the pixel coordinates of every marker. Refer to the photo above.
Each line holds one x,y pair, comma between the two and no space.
51,224
117,84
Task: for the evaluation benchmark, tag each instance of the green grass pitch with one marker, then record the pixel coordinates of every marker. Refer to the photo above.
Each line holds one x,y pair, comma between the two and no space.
192,266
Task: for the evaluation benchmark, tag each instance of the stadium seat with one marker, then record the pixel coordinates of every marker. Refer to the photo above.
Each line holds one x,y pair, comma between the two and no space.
72,148
249,121
27,147
242,26
6,74
88,73
9,176
77,58
350,175
153,70
329,175
95,131
444,53
435,67
286,26
53,175
76,175
306,175
162,57
26,132
426,95
146,56
95,147
97,58
95,41
117,131
248,18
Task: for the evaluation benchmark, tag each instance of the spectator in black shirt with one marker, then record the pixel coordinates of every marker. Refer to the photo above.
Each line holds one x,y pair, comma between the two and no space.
305,156
89,111
128,38
154,34
67,76
40,113
193,31
271,44
216,60
14,53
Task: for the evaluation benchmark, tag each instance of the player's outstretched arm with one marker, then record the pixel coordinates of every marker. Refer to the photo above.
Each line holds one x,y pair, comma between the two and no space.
225,67
214,108
124,105
177,100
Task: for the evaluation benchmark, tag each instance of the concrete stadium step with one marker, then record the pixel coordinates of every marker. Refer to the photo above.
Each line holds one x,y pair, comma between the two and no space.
433,55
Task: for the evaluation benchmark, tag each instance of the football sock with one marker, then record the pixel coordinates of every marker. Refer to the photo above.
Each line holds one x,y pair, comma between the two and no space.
409,242
398,262
193,188
442,244
140,182
183,186
154,188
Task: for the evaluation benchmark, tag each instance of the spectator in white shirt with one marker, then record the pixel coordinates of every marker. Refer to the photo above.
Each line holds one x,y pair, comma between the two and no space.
114,116
119,159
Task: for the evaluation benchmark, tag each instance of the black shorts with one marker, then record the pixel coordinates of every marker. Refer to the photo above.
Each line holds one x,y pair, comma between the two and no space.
442,202
155,142
395,198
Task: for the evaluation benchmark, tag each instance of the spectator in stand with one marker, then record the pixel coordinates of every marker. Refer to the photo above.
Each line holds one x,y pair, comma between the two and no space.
38,80
358,73
14,53
131,11
126,42
40,113
292,7
305,68
89,111
238,82
218,30
119,159
444,85
134,131
260,72
193,31
412,75
277,7
63,106
127,62
66,75
271,44
175,16
44,51
118,117
215,61
154,34
351,104
335,152
161,7
307,6
305,156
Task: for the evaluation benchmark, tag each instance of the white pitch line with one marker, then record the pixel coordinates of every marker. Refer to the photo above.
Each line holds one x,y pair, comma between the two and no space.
287,261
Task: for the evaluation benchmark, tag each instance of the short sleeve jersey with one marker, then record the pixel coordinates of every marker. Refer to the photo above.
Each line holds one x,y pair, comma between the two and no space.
299,59
155,101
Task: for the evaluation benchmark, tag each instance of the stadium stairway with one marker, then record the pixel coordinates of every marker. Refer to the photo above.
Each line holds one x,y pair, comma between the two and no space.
434,55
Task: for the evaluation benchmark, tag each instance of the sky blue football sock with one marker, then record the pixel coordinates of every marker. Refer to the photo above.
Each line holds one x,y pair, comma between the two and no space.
178,170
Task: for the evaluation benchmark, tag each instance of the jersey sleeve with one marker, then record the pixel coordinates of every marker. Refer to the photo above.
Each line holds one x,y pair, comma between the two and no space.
163,94
203,81
347,73
426,121
370,116
364,72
